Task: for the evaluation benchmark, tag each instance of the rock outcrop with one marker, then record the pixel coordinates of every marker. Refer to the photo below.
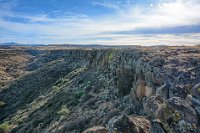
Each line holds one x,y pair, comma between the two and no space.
136,89
129,124
175,114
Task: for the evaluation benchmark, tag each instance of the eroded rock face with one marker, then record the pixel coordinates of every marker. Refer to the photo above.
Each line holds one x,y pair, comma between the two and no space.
175,114
181,105
96,129
153,105
163,91
96,85
129,124
143,90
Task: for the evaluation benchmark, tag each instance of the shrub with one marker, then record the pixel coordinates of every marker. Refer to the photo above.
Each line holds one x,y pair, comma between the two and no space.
2,104
125,80
79,94
4,128
64,111
87,82
110,57
78,123
56,88
73,102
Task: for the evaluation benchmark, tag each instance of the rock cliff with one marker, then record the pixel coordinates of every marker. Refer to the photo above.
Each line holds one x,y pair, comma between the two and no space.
129,90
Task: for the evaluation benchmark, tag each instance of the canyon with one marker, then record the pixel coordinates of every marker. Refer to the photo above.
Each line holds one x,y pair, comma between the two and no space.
99,89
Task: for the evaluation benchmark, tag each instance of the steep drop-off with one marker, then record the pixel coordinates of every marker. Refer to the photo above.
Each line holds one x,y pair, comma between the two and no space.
128,90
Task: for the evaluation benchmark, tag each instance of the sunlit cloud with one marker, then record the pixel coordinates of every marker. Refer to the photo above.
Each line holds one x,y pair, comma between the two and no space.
106,28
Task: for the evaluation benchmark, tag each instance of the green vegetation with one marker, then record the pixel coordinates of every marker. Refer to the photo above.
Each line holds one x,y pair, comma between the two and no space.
110,57
87,82
72,90
125,82
62,81
56,88
199,89
4,128
64,111
2,104
79,94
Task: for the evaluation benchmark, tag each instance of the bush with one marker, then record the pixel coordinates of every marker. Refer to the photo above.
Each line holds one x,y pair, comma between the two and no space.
87,82
77,123
79,94
199,89
110,57
2,104
125,80
4,128
56,88
73,102
64,111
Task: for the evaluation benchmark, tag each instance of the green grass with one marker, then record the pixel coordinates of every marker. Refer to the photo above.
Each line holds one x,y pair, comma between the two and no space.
4,128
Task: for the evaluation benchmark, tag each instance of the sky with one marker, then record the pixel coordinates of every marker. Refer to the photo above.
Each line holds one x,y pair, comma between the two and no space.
107,22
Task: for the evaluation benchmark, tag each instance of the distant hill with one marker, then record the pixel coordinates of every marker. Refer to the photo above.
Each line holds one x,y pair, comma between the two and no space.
19,44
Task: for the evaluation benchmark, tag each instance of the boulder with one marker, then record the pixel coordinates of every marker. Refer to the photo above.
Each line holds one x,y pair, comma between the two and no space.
181,105
175,114
153,105
188,99
96,129
129,124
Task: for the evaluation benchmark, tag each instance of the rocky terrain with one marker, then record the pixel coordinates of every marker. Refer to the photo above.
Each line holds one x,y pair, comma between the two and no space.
60,89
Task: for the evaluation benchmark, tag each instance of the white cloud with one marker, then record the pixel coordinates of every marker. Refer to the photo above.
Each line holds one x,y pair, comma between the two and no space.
84,29
115,5
107,5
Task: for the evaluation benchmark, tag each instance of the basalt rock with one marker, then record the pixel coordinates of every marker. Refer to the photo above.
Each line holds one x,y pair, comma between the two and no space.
175,114
94,86
129,124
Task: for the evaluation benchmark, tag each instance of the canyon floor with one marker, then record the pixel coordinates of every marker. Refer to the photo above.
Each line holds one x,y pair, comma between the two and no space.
99,89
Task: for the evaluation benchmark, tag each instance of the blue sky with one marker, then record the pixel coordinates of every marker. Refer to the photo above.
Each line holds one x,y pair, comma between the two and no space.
109,22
